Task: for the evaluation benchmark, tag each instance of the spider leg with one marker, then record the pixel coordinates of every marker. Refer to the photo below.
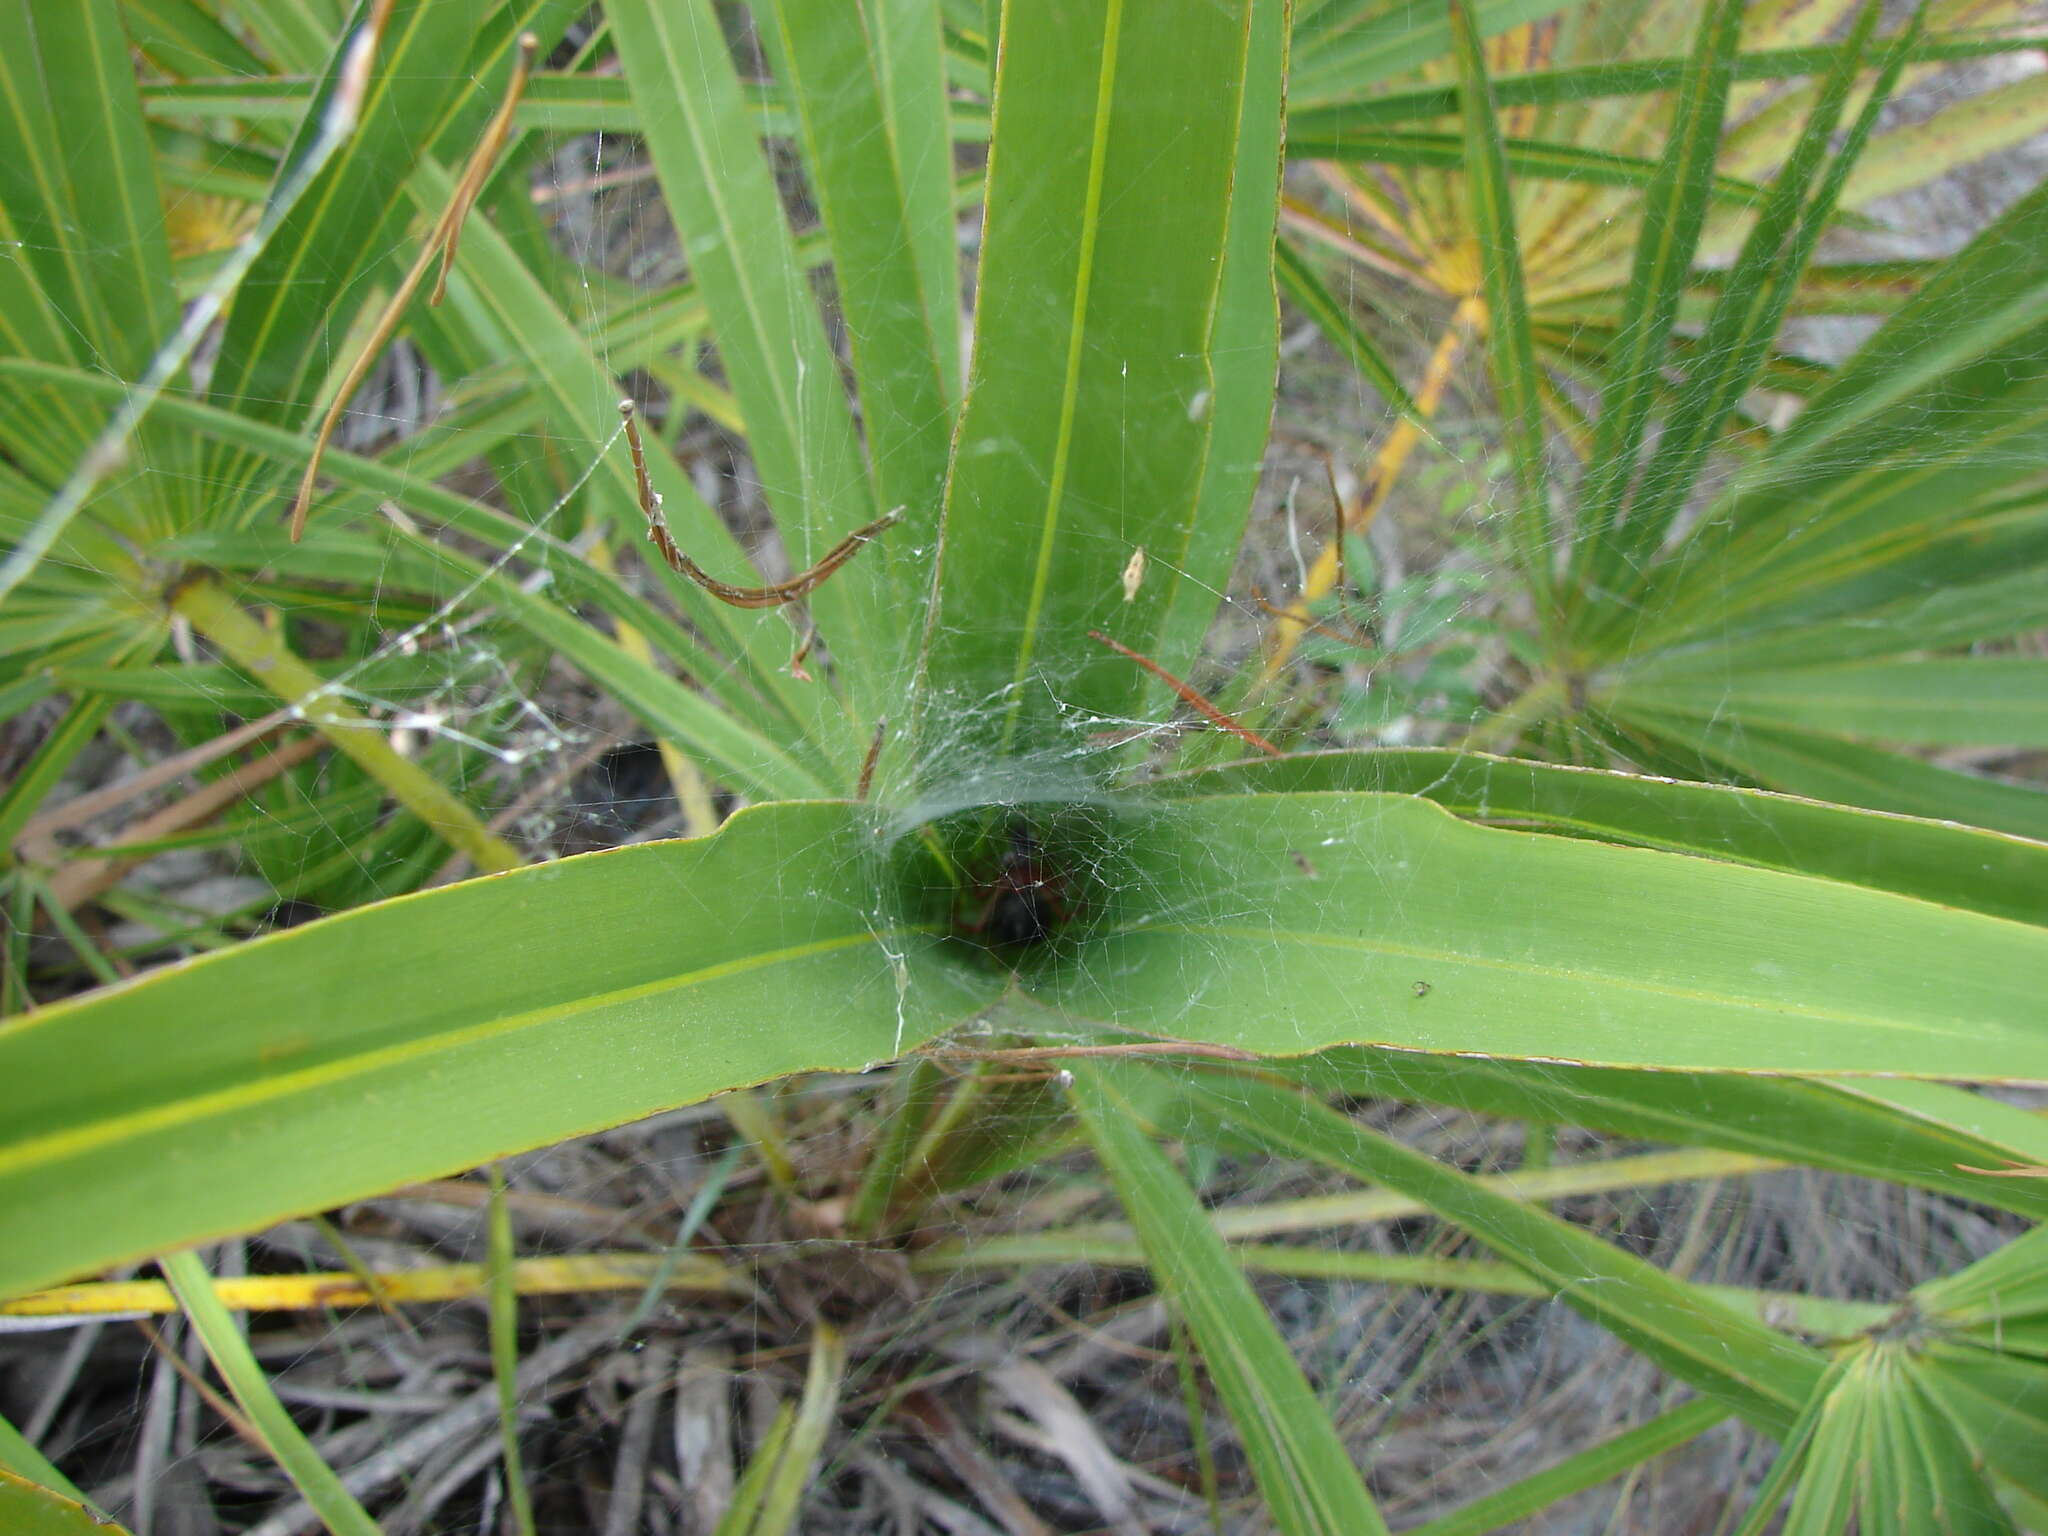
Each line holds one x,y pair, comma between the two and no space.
979,922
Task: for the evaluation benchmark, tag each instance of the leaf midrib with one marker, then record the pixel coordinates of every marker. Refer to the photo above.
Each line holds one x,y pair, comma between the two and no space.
36,1151
1070,386
1964,1029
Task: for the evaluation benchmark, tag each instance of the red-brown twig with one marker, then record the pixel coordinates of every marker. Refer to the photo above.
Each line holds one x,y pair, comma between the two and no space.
774,595
1354,636
867,764
1190,697
441,241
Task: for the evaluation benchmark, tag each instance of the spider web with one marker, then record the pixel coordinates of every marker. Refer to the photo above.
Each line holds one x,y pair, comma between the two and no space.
1444,1394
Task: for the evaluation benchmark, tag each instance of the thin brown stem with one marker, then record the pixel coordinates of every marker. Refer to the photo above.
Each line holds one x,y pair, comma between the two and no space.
775,594
229,1414
1328,572
440,241
38,841
448,232
1191,697
1343,517
1357,637
867,764
86,879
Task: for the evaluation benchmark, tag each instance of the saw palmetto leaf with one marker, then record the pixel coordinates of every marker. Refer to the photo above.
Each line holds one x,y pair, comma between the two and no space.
1797,568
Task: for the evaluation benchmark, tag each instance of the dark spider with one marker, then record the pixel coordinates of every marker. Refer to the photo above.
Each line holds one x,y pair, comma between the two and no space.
1024,901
